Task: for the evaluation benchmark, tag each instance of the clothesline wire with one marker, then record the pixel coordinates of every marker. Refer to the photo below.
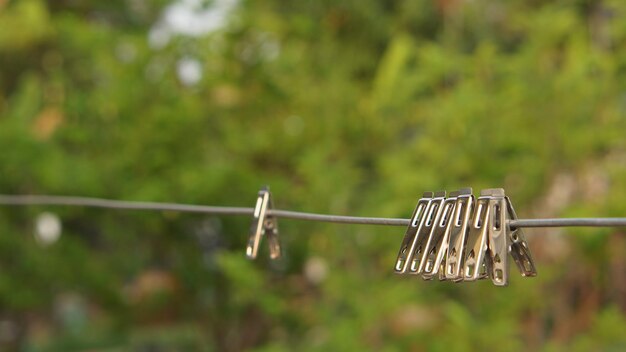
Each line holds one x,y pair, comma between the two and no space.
48,200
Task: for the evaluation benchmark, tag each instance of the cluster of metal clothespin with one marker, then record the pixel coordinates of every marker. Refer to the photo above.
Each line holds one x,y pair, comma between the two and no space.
460,238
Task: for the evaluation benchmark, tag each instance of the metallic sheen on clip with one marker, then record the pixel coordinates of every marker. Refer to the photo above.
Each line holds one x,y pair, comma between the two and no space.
408,242
477,239
498,241
519,247
437,244
458,235
263,225
426,231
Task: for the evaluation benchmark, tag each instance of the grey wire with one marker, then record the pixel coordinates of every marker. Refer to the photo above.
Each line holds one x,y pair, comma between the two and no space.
120,204
338,218
24,200
569,222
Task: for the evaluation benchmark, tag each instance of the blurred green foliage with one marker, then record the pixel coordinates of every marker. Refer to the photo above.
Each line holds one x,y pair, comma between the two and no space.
352,107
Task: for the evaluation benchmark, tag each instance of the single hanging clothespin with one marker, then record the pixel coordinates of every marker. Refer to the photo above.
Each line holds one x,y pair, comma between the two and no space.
263,225
475,264
518,246
457,239
498,239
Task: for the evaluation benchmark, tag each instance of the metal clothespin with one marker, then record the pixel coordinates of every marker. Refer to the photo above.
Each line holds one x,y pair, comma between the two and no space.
498,239
437,245
518,246
263,225
425,232
463,209
408,242
476,250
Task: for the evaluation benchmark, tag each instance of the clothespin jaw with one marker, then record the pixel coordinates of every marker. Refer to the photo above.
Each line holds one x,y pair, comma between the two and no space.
263,225
518,246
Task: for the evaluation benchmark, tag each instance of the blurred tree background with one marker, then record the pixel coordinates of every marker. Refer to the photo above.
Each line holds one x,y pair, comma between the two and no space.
349,107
